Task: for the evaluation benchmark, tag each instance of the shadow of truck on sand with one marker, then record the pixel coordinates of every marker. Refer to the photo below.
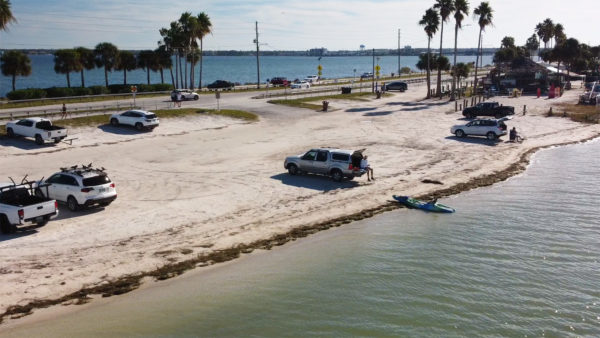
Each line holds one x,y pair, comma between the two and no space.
314,182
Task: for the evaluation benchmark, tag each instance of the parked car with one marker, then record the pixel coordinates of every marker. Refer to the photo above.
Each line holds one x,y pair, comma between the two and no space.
490,128
280,81
37,128
79,187
366,75
20,206
186,94
140,119
488,109
337,163
221,84
300,85
395,85
312,78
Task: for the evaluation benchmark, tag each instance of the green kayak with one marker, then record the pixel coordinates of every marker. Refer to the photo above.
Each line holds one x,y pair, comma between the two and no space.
428,206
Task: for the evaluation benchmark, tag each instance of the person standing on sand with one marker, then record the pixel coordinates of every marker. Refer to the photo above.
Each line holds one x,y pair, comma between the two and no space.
364,164
63,111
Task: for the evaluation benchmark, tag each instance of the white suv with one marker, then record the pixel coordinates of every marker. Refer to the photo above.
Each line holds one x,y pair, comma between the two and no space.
79,187
140,119
490,128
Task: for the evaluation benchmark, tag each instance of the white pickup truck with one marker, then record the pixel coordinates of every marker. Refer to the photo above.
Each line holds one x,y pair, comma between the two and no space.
19,206
37,128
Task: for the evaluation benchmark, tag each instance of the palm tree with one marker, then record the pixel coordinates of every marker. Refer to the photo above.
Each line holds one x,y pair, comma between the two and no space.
461,9
6,16
193,57
507,42
532,44
148,60
204,28
86,60
173,40
559,34
485,16
65,62
461,70
15,63
545,30
188,24
164,61
107,56
446,8
431,22
127,62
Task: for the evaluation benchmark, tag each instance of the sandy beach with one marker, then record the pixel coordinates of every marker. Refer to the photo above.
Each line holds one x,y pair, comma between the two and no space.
203,185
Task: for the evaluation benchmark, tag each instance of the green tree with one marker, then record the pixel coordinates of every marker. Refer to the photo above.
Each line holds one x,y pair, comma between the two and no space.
6,16
545,30
164,62
107,56
147,60
15,63
461,71
204,28
559,34
66,62
445,7
127,62
193,58
508,42
173,40
461,9
484,15
188,23
532,44
87,61
430,21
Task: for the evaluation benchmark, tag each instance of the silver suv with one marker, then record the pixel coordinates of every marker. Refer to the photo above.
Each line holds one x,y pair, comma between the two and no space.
337,163
490,128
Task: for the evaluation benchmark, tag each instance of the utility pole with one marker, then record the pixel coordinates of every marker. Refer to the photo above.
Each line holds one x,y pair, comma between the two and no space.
373,74
399,67
257,59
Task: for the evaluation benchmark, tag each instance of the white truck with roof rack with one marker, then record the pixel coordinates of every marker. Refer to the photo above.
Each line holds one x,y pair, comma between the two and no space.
38,128
79,186
19,205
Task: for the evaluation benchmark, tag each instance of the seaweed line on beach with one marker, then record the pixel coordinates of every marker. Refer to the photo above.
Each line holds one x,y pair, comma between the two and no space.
131,282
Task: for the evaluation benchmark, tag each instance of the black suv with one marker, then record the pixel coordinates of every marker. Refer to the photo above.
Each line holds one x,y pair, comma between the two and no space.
488,109
221,84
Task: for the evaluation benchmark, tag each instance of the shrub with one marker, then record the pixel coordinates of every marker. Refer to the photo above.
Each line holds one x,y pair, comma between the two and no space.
59,92
81,91
27,94
119,88
162,87
99,90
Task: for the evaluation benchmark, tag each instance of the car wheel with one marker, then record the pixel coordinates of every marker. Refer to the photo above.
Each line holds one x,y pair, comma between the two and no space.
337,175
498,115
196,97
350,178
38,139
459,133
293,169
10,133
114,122
56,140
139,126
43,222
491,135
72,204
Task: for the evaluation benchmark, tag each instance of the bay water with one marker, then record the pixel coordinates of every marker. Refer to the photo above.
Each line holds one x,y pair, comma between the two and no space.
520,258
241,69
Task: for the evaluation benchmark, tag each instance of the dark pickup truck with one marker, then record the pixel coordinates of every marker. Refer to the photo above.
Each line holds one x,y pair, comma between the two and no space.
488,109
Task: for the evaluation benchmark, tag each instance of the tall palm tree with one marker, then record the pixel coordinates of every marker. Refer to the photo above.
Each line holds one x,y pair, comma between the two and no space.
204,28
107,56
484,14
193,57
164,62
15,63
86,60
6,16
559,34
127,62
148,60
173,40
430,21
461,9
66,62
461,70
188,23
446,7
545,30
532,44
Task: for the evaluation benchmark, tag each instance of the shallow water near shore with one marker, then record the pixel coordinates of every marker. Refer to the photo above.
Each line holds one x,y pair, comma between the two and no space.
519,258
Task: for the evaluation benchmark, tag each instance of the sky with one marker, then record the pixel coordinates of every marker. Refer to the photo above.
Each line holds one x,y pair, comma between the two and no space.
282,24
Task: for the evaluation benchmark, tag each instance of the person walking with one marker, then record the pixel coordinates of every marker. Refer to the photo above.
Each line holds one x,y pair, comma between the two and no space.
63,114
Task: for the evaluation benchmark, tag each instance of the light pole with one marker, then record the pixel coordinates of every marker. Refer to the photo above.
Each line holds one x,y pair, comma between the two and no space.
354,77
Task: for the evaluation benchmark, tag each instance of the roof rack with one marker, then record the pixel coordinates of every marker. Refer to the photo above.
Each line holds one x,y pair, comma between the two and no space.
77,170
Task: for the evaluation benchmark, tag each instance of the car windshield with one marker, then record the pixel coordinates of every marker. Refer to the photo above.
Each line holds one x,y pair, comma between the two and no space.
96,180
150,116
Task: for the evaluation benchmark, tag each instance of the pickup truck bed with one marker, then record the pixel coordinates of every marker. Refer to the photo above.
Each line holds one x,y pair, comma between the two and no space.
19,206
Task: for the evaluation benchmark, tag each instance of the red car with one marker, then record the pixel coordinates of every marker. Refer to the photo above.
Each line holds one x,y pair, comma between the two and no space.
280,81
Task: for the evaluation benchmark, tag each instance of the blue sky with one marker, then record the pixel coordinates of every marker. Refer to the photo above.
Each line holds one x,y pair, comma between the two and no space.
283,24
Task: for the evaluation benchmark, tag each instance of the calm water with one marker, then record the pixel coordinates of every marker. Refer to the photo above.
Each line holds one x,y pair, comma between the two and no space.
232,68
521,258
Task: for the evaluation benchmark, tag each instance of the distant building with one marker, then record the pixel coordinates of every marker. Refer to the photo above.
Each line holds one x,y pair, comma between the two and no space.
317,52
